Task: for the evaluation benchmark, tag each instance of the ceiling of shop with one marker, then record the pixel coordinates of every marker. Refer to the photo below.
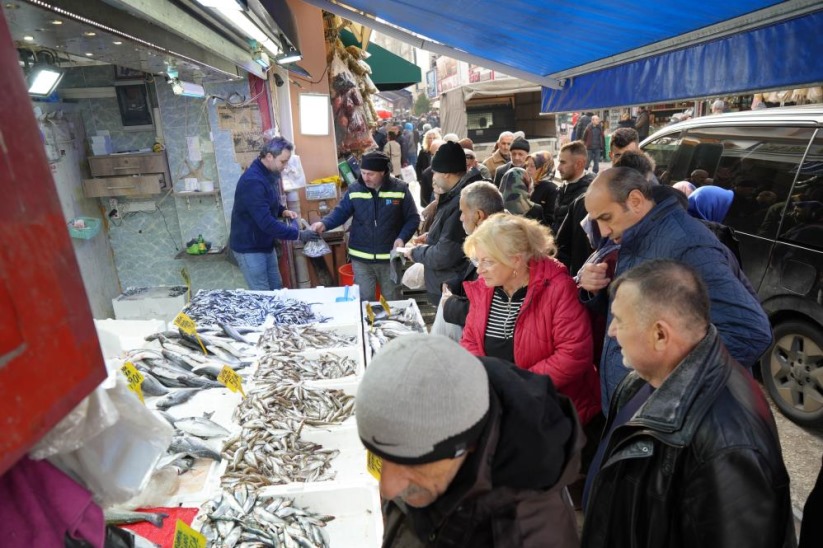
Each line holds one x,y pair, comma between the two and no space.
121,38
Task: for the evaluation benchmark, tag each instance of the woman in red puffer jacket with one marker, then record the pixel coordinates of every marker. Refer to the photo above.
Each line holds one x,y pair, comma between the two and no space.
524,309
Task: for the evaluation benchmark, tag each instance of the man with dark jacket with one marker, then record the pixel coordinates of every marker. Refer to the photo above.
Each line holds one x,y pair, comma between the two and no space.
441,249
476,453
384,217
518,154
690,455
255,227
594,137
621,202
478,202
571,165
642,123
581,125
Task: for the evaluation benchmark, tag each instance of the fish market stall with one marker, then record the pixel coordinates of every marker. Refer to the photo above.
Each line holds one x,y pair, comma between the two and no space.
281,461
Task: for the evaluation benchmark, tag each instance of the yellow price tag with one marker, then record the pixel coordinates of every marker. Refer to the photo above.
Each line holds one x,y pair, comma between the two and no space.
370,313
186,325
374,464
187,279
231,380
186,537
135,379
385,304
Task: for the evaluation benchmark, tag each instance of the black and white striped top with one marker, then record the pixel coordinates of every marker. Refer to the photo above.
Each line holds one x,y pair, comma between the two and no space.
499,339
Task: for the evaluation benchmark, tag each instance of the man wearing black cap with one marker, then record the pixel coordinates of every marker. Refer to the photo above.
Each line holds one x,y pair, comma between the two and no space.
385,216
519,153
475,451
441,249
255,227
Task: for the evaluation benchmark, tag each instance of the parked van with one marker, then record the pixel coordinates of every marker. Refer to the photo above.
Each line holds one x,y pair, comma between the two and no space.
772,160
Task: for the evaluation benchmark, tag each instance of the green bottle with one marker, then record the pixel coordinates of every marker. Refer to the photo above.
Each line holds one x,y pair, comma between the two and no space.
201,243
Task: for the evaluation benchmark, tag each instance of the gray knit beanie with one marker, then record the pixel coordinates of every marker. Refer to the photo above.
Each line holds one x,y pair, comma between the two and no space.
423,398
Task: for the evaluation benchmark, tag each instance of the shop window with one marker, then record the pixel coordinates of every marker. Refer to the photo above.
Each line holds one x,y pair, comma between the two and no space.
803,221
759,164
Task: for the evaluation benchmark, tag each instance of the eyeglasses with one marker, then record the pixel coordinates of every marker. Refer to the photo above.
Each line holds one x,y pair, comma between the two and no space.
469,157
485,264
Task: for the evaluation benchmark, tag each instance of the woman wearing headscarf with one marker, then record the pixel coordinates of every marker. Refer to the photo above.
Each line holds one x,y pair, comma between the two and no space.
515,189
540,167
424,159
524,308
710,203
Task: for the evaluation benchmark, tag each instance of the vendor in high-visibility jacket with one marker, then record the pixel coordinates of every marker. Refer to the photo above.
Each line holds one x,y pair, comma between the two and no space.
384,217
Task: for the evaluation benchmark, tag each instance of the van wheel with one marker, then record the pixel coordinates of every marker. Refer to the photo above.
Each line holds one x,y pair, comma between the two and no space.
793,372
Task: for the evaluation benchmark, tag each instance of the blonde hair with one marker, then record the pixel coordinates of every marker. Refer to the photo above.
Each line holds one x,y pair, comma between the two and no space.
436,135
504,235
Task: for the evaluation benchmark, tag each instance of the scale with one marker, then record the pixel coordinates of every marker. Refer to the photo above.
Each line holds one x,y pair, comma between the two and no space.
317,201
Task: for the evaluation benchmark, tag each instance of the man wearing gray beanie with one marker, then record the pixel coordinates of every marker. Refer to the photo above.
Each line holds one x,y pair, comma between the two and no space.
475,451
441,249
384,217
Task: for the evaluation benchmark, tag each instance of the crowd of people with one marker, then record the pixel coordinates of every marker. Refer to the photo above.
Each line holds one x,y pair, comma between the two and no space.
593,349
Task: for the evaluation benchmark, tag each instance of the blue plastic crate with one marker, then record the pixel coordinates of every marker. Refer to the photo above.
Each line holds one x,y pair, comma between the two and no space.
90,231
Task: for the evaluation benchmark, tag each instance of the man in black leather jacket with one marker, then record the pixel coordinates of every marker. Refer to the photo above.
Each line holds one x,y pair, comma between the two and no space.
690,455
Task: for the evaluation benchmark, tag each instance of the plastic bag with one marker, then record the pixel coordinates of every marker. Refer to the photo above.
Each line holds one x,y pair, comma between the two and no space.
413,277
316,248
115,464
407,174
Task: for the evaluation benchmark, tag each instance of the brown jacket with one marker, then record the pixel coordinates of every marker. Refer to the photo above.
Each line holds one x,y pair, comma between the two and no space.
494,161
495,516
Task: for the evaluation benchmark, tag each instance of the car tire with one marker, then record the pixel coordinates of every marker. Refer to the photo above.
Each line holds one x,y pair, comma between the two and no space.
792,372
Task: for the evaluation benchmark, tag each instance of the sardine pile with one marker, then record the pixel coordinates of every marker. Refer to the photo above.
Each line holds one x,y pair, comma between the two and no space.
269,450
240,517
277,368
288,339
240,307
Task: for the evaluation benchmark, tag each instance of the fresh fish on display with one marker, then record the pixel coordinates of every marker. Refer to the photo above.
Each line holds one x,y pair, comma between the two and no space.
290,400
194,447
386,329
233,333
152,386
200,427
116,516
276,368
239,516
241,307
296,338
176,398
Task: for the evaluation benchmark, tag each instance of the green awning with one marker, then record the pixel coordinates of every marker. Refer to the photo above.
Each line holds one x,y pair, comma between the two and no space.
388,71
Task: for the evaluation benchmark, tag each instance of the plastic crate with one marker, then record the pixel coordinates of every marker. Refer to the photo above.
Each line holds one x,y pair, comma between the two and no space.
90,231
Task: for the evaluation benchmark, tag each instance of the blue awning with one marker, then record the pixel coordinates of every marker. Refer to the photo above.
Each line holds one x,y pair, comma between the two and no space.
782,55
657,51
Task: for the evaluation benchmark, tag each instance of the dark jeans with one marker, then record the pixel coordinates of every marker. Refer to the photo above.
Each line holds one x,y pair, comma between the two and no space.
594,154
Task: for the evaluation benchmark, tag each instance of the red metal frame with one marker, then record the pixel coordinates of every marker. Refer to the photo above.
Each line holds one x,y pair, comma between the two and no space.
49,353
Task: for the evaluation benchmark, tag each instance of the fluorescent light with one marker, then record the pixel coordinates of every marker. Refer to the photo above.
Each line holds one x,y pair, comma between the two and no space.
43,79
292,56
221,4
262,59
187,89
28,38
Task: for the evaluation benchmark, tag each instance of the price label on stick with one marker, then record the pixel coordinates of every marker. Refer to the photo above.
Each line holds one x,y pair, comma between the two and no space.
186,325
135,379
370,313
374,464
385,304
231,380
186,537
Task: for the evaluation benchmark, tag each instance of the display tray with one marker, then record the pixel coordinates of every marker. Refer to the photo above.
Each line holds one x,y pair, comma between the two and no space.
358,522
407,307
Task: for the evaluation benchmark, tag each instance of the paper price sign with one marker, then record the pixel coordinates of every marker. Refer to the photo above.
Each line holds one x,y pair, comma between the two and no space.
186,325
135,379
231,380
374,464
385,305
186,537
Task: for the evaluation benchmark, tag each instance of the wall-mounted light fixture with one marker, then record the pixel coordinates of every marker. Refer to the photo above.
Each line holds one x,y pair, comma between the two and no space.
182,88
44,79
314,113
291,56
234,12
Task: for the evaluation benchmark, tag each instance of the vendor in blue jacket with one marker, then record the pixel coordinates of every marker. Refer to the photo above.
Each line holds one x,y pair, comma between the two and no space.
254,218
384,216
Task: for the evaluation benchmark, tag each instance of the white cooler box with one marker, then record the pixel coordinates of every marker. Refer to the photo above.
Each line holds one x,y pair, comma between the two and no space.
150,303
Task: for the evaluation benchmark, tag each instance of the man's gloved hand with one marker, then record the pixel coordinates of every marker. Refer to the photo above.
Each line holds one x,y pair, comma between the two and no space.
307,235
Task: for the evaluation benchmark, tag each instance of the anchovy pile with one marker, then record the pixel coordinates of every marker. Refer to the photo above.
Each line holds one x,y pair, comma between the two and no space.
296,401
276,368
240,517
289,339
240,307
